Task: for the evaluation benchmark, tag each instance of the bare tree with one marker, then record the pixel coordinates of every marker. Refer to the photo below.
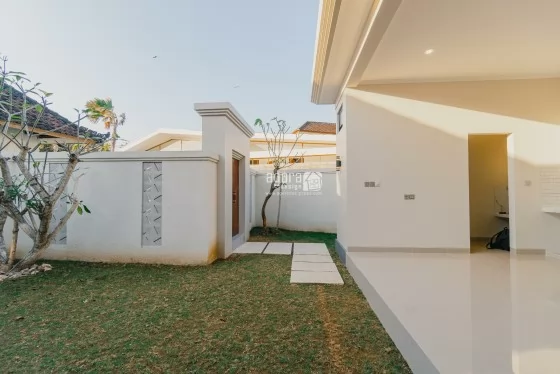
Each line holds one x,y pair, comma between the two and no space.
29,191
275,135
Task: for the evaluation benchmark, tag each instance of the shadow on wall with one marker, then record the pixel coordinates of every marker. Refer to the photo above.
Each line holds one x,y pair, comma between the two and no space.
422,148
407,158
530,99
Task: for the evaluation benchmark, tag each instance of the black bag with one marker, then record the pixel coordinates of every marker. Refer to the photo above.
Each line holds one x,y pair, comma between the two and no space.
500,240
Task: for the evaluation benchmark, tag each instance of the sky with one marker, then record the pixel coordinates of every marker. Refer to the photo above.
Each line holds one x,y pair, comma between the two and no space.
256,54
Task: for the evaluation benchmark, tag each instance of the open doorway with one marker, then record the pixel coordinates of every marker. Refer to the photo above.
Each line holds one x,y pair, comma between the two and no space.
488,187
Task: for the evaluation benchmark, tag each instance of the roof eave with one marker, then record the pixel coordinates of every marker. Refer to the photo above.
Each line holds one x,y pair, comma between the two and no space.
323,41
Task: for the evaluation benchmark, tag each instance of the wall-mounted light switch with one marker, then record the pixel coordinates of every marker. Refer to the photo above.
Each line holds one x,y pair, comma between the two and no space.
372,184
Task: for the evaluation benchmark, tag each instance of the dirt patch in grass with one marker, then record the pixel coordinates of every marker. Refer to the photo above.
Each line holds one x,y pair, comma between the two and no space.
236,316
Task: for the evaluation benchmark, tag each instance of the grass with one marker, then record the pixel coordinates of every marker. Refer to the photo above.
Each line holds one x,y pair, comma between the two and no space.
238,315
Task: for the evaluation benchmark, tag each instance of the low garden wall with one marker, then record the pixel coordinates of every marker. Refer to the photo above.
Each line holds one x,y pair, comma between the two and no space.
156,207
308,200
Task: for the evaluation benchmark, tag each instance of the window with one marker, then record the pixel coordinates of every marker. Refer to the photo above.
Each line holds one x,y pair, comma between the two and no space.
254,162
339,118
296,160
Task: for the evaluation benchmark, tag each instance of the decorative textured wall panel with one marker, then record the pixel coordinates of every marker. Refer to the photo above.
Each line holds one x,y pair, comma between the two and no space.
55,173
550,186
151,203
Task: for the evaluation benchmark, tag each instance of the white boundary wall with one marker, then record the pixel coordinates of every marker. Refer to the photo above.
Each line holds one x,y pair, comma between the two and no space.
112,189
176,209
299,210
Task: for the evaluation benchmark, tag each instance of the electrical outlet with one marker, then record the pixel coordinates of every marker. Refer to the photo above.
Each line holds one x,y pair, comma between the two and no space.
409,196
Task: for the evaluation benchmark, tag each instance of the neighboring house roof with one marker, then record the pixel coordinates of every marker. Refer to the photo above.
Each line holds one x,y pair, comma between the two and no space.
299,152
317,128
161,136
50,123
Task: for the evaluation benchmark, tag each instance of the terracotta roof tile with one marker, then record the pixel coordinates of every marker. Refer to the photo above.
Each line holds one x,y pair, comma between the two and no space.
50,120
317,127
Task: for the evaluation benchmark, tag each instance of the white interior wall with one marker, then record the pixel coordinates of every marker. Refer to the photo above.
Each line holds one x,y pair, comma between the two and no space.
299,211
404,138
112,189
488,180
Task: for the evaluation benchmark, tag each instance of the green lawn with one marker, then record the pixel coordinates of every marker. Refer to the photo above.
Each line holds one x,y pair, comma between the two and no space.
238,315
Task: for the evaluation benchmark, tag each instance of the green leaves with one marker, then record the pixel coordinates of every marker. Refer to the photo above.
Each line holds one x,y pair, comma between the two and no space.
83,208
47,94
258,122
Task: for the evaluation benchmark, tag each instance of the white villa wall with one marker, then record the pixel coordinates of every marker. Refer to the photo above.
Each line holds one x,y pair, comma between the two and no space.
412,139
112,189
299,211
342,178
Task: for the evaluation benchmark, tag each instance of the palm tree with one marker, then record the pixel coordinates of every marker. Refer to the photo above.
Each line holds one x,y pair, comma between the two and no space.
103,110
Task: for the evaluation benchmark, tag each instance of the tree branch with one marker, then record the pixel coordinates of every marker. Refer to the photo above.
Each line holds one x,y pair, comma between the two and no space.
63,221
33,182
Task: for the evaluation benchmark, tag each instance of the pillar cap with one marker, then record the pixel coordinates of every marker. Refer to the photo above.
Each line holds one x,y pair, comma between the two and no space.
227,110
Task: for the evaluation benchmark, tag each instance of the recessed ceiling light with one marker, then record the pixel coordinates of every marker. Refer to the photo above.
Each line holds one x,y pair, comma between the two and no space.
428,51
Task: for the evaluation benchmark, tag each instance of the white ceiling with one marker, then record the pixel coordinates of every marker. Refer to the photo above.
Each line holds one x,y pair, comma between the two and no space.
472,40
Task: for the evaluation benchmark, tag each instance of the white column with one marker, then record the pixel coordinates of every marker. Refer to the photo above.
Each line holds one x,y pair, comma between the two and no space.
226,133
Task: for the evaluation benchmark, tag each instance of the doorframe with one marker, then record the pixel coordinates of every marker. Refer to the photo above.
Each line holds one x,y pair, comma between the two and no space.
239,239
510,186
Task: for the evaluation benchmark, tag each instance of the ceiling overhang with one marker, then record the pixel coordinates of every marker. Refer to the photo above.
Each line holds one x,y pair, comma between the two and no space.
348,33
396,41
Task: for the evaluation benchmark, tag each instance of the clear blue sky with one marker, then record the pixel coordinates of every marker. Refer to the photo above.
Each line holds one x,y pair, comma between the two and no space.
82,49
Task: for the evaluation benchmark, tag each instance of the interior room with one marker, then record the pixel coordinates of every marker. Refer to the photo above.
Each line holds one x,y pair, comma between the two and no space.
488,187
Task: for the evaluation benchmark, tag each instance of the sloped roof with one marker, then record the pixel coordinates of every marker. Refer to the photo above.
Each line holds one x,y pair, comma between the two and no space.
317,127
51,122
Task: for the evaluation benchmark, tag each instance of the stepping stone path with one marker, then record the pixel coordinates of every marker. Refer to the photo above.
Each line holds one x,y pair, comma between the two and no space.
311,262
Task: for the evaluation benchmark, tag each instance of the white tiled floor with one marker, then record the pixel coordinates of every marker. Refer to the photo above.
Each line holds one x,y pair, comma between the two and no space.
485,312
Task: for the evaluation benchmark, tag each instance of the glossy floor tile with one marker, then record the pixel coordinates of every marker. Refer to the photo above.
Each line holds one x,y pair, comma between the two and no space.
484,312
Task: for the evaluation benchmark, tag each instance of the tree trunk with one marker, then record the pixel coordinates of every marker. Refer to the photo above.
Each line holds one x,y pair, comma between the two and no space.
114,138
268,196
40,242
3,248
263,209
13,246
279,206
